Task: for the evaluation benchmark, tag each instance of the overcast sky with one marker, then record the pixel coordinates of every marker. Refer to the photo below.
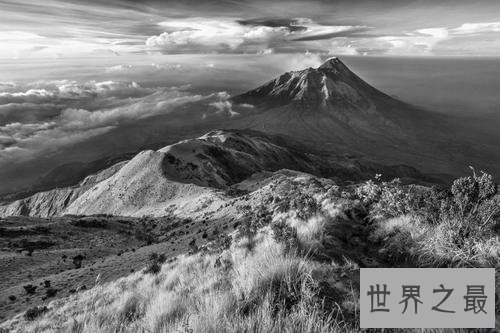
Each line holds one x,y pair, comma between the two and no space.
55,28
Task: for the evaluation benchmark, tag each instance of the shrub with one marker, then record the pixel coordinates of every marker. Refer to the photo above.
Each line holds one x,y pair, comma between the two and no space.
234,192
223,242
50,292
387,199
473,207
286,235
143,236
193,246
253,221
305,205
470,207
30,289
35,312
156,260
369,192
77,261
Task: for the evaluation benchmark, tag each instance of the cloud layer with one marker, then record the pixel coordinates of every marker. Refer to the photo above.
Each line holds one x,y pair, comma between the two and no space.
47,115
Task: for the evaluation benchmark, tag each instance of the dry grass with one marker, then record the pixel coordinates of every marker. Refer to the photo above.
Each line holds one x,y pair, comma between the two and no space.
425,245
267,287
262,290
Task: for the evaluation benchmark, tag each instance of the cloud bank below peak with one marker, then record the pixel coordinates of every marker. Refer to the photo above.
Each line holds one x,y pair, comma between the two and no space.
44,116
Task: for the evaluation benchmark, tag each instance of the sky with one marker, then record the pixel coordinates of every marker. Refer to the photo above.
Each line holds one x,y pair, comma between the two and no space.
55,28
74,71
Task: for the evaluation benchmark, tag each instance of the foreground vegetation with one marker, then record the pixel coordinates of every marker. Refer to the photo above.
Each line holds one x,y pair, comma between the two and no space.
293,263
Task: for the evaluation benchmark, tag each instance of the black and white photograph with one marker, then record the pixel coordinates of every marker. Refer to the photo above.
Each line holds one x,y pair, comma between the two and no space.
249,166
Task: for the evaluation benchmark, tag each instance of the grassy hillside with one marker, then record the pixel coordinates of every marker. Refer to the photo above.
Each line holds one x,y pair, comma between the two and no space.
293,263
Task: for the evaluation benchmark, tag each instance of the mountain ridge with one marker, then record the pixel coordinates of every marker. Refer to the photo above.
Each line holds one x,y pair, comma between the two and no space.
192,170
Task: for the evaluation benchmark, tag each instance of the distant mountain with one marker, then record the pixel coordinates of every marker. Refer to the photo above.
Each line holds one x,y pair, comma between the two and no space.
333,110
190,172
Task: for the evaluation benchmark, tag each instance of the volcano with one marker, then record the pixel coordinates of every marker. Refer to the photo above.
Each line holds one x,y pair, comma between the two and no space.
333,110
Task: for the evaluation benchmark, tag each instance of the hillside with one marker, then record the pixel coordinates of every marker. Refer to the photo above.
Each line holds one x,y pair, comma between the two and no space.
286,257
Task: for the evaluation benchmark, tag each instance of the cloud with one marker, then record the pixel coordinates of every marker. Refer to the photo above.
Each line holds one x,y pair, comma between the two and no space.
223,105
67,91
344,46
75,112
418,42
302,60
226,35
475,28
160,102
153,68
208,35
290,24
314,31
28,112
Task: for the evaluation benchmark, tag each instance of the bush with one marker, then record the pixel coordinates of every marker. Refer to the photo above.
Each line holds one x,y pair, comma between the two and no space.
156,260
452,227
253,221
145,237
30,289
234,192
387,199
193,246
286,235
77,261
471,206
223,242
50,292
305,205
35,312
